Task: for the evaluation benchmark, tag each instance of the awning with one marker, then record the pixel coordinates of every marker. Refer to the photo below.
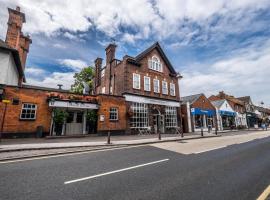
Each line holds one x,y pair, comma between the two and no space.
198,111
72,104
227,113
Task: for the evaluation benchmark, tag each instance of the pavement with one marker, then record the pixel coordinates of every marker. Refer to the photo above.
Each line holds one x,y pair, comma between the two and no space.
231,167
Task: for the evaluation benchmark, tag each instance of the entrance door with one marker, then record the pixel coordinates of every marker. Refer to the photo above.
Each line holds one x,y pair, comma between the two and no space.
158,123
74,123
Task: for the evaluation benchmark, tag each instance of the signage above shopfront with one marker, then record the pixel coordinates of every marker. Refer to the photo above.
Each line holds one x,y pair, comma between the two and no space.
146,100
72,104
198,111
228,113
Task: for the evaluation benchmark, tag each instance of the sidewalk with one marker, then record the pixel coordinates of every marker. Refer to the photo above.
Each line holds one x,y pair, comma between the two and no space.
92,141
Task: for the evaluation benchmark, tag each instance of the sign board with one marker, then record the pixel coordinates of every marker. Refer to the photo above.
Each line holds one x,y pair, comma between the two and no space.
198,111
72,104
102,118
146,100
6,101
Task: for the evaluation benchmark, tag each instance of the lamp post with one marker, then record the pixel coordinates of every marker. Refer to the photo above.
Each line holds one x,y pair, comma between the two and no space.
2,90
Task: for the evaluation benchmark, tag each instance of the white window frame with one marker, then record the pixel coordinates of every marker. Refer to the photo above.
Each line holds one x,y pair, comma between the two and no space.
156,86
164,87
138,81
30,109
113,112
172,89
147,83
155,64
170,117
140,117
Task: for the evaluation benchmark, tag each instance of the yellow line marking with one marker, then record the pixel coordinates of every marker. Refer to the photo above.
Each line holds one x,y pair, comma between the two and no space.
67,154
265,194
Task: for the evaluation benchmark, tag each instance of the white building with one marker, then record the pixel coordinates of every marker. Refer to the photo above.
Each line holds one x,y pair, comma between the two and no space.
226,117
11,69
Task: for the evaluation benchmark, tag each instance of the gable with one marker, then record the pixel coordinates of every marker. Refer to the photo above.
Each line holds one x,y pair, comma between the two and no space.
203,102
156,50
226,107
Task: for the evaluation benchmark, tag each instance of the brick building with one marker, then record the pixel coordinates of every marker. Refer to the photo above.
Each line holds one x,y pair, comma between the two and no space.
237,105
135,93
149,84
197,113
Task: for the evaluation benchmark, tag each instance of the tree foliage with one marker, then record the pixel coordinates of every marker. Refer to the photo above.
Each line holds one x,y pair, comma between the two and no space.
85,75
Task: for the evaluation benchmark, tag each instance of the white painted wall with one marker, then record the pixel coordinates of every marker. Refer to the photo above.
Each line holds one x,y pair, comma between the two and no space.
8,71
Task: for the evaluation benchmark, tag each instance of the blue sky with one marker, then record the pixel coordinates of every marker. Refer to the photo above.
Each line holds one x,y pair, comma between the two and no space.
216,45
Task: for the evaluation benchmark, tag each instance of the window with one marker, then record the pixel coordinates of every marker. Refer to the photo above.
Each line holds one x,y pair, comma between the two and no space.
113,114
172,89
164,87
147,84
136,81
103,90
102,72
28,111
170,117
156,85
155,64
140,115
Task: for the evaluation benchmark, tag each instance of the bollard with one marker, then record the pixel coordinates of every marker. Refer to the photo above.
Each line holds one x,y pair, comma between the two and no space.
182,133
216,130
159,135
202,132
109,138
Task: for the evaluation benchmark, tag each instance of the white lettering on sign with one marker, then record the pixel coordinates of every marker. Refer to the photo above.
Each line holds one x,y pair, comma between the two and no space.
146,100
70,104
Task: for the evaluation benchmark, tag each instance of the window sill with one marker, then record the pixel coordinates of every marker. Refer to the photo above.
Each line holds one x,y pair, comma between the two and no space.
27,119
113,120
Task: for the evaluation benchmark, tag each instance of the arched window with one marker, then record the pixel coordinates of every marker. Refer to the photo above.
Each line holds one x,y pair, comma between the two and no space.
155,64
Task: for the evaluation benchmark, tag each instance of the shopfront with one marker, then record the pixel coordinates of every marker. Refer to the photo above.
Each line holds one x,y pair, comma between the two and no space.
202,118
228,120
74,114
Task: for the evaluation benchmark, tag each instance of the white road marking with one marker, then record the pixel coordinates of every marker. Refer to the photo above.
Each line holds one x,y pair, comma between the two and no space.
115,171
198,152
265,194
67,154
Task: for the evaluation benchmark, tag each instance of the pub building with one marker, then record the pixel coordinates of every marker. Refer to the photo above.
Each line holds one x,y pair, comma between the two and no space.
149,84
226,116
131,95
197,113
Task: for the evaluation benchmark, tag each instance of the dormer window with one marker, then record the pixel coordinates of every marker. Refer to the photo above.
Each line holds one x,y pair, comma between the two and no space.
155,64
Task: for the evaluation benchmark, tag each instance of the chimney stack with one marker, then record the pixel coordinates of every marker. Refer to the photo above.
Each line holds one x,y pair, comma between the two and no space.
98,66
110,53
15,38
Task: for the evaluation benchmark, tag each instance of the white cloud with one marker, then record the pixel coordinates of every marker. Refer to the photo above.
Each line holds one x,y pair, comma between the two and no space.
158,18
66,79
75,65
32,71
246,72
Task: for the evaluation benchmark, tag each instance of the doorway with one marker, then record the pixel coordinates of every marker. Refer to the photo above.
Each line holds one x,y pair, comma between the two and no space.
74,123
158,123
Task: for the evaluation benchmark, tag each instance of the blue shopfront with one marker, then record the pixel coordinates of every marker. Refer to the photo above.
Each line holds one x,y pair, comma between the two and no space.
227,119
202,118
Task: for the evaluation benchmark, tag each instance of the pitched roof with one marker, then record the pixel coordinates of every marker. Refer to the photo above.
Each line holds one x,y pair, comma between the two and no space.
163,55
16,57
246,99
191,99
218,103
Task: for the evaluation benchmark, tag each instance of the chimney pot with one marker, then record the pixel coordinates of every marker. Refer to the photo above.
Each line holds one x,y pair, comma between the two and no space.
18,8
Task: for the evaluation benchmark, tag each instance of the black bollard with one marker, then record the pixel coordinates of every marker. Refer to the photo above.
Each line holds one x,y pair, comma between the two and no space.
202,132
109,138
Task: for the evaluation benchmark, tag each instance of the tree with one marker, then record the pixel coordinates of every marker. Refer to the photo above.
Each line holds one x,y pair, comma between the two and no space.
86,75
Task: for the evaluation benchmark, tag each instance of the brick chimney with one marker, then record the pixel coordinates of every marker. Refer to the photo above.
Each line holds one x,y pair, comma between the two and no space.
15,38
222,95
110,53
98,65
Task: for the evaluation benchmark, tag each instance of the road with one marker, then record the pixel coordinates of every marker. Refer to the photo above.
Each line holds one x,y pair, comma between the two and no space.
232,167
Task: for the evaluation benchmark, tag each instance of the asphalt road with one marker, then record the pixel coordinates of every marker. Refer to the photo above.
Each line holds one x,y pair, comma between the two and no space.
240,171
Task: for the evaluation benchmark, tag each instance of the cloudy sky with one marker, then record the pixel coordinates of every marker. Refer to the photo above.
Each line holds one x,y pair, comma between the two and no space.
216,44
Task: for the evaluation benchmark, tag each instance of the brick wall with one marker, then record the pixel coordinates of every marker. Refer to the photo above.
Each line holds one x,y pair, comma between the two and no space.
106,102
